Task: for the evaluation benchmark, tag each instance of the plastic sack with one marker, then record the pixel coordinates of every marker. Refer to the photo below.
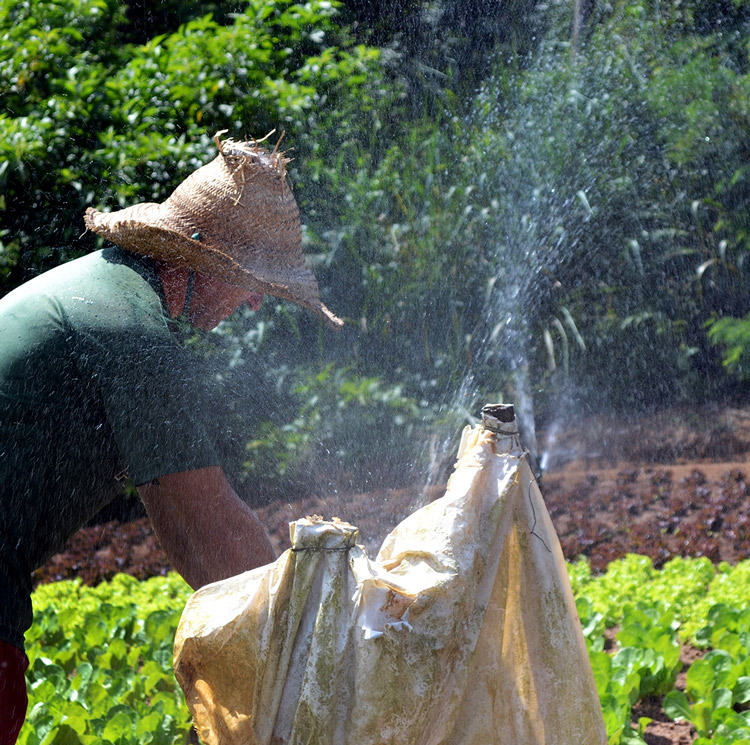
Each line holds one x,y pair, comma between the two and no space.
463,630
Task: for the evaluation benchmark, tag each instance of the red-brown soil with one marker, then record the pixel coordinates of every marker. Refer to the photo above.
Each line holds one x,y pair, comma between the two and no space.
673,483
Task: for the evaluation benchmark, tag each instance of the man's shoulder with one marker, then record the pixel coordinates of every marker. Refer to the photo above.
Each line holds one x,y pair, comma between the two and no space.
109,268
106,284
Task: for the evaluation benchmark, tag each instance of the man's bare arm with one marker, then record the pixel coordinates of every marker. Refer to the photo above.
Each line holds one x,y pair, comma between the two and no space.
206,530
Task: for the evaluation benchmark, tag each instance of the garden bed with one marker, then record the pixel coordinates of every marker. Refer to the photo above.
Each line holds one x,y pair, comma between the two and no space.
674,484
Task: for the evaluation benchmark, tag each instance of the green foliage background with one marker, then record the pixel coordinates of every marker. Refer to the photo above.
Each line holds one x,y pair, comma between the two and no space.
501,199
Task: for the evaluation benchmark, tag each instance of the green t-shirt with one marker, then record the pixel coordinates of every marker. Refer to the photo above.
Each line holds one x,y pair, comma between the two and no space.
94,387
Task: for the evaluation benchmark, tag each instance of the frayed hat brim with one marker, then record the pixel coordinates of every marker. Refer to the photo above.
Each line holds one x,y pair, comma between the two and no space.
235,218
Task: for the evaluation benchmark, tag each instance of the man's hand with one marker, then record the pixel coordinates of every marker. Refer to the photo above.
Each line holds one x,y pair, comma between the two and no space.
206,530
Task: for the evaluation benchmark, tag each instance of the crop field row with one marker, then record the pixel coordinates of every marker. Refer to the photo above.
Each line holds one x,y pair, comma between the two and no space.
101,657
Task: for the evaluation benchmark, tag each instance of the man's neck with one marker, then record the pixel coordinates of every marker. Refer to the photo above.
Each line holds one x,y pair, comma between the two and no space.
174,282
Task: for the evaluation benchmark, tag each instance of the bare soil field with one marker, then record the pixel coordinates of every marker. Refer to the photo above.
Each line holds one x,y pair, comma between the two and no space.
667,484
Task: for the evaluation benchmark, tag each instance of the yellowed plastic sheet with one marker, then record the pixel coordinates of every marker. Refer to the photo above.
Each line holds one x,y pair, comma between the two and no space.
462,631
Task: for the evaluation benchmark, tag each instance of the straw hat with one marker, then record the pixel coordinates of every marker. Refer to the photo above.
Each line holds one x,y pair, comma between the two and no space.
235,218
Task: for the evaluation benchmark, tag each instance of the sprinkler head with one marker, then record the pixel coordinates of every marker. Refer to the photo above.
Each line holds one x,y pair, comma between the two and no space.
495,415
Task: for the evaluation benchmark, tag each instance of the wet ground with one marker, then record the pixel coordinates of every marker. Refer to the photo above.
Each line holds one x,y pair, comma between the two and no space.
674,483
